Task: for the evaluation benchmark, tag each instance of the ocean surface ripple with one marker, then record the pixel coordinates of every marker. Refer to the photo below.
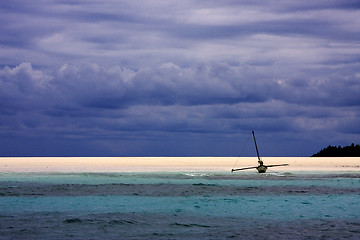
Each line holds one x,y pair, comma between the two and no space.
188,205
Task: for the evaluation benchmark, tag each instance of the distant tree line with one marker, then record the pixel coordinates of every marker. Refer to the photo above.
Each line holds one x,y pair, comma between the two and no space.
332,151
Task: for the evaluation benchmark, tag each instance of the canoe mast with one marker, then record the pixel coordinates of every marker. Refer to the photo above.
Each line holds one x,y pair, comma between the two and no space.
257,150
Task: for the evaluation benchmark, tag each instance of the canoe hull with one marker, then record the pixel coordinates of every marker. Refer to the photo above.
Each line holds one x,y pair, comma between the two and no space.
261,169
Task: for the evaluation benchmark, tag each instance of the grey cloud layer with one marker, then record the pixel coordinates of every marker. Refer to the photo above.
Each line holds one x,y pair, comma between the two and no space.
93,90
148,32
165,69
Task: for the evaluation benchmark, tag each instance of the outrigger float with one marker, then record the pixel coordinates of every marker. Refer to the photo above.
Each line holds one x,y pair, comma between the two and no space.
261,168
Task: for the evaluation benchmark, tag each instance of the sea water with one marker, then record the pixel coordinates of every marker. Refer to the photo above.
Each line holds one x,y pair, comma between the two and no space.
180,205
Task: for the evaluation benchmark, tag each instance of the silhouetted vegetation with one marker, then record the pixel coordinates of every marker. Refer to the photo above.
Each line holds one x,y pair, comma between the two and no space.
332,151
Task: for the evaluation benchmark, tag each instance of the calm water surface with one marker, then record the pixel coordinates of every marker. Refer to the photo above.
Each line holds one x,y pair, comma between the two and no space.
187,205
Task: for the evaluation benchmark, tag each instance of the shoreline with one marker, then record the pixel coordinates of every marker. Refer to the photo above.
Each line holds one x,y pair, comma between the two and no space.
173,164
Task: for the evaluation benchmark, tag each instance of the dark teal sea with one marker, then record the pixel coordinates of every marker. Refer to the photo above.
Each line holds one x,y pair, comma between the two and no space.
180,205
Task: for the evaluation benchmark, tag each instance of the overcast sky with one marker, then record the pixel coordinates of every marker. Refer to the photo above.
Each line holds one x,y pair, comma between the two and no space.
178,78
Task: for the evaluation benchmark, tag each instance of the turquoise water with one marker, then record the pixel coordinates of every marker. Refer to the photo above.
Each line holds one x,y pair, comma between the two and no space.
350,179
271,207
179,205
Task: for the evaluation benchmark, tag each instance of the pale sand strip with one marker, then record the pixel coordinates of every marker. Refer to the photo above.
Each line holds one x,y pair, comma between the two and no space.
143,164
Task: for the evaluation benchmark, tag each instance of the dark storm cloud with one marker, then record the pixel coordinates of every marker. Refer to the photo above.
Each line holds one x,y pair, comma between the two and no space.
92,90
128,72
93,86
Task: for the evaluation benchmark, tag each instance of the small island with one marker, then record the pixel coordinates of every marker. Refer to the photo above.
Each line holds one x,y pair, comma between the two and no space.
333,151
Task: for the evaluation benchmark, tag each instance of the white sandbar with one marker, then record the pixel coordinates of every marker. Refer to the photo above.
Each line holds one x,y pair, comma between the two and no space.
144,164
